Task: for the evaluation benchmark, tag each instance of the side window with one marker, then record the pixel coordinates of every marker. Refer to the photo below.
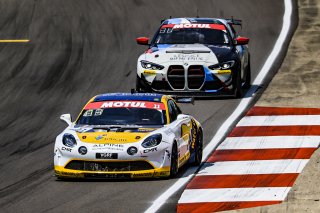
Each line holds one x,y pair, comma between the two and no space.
172,111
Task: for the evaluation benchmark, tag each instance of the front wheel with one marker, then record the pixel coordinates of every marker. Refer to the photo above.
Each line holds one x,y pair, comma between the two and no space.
198,150
247,83
174,160
237,85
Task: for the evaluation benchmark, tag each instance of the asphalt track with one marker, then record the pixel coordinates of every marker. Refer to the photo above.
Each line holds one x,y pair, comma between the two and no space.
81,48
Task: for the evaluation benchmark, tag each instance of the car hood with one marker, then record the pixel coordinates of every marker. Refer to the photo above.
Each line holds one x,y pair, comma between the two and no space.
100,136
187,53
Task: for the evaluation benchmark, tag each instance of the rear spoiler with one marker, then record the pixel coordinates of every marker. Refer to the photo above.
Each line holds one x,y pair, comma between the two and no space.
233,21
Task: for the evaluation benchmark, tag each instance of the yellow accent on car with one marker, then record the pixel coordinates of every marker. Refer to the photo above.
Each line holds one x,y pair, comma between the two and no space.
111,137
150,72
224,72
70,173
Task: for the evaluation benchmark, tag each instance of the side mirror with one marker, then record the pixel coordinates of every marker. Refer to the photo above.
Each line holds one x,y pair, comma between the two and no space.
182,116
242,41
66,118
143,41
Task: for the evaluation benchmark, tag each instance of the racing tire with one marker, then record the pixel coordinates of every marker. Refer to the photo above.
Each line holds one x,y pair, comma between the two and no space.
238,93
198,150
247,83
174,161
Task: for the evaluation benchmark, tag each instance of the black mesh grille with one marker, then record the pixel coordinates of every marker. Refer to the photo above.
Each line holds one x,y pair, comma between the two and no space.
195,76
176,76
109,166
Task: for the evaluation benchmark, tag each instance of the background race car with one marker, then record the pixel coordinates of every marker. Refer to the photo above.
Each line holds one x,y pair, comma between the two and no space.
197,56
123,135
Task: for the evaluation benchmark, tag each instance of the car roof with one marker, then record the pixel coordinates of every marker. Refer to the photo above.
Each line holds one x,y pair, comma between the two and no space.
193,20
128,97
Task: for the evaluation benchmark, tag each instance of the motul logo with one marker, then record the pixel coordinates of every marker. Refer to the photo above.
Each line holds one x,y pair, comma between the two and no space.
191,26
124,104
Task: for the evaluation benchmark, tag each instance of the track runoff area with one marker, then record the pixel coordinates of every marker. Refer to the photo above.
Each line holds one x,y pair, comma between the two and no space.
260,159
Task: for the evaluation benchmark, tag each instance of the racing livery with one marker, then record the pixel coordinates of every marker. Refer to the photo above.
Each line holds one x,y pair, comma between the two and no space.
121,135
195,56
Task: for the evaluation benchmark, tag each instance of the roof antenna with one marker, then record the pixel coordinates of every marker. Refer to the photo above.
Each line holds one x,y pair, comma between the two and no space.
197,13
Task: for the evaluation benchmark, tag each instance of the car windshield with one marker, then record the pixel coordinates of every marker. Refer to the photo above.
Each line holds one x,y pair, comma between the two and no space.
170,35
122,113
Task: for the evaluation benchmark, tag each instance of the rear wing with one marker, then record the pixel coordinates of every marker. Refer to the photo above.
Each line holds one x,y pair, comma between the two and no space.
233,21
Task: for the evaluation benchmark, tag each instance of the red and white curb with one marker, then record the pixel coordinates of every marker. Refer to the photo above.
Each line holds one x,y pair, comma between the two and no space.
257,163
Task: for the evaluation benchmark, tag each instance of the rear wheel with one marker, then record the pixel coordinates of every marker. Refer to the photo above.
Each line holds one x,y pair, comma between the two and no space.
174,160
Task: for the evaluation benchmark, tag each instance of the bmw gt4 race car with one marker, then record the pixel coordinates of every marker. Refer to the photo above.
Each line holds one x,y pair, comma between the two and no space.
195,56
120,135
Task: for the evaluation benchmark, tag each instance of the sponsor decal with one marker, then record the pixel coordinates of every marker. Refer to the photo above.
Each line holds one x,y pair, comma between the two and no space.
145,130
116,147
150,72
193,134
127,104
99,137
142,175
66,149
204,26
186,57
154,149
161,173
191,26
108,145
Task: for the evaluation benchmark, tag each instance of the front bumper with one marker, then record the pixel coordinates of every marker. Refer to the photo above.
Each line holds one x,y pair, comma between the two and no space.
147,162
203,82
62,172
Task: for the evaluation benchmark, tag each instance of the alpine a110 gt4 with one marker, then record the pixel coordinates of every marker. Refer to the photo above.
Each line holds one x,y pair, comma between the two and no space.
121,135
195,56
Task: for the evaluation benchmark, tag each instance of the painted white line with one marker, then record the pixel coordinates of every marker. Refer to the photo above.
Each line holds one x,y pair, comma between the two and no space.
244,103
283,120
270,142
234,194
253,167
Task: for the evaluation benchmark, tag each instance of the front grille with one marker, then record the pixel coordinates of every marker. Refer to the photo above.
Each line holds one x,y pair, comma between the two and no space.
109,166
195,76
176,76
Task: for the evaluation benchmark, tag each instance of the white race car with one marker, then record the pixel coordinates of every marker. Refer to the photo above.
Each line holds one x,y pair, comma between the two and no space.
122,135
195,57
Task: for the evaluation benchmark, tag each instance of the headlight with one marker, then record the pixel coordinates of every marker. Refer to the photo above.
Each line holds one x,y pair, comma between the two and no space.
152,141
69,140
223,66
150,65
